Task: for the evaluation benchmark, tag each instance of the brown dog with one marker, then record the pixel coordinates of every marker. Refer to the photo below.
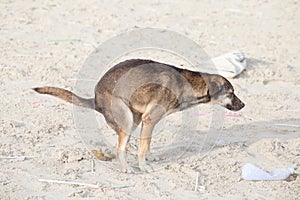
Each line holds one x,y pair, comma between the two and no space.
144,91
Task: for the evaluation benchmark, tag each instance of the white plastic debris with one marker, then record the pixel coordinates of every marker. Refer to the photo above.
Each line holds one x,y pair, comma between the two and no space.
251,172
231,64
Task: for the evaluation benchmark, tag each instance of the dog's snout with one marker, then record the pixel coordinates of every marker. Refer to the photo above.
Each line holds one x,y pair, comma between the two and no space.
242,105
236,104
239,105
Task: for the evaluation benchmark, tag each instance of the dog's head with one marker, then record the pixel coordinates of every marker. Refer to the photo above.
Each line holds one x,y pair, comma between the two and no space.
221,92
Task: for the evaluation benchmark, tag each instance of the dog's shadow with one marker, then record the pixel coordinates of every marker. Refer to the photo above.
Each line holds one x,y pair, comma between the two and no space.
169,147
197,143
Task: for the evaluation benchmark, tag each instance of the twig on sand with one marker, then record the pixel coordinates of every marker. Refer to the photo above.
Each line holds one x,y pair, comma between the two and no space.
89,186
197,180
93,165
68,183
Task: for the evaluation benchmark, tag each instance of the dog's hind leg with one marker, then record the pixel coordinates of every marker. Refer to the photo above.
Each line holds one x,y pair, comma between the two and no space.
149,119
123,138
119,117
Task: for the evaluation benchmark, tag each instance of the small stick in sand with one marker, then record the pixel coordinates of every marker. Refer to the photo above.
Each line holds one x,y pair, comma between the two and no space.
69,183
197,180
93,165
89,186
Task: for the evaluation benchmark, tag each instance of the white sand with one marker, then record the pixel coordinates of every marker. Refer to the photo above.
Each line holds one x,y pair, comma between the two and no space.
43,127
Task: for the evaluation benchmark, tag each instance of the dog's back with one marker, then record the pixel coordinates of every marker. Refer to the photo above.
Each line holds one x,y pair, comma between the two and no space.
141,82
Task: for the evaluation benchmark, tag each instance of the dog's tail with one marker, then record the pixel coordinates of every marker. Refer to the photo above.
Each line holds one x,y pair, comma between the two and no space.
67,96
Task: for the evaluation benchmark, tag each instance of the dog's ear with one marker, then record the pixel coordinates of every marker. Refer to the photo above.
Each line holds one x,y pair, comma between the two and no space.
214,88
202,89
205,96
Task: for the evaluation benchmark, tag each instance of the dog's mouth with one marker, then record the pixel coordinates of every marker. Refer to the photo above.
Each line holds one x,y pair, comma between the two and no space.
235,107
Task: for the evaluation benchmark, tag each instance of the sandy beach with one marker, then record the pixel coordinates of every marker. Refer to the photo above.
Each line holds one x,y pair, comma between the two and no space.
49,42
